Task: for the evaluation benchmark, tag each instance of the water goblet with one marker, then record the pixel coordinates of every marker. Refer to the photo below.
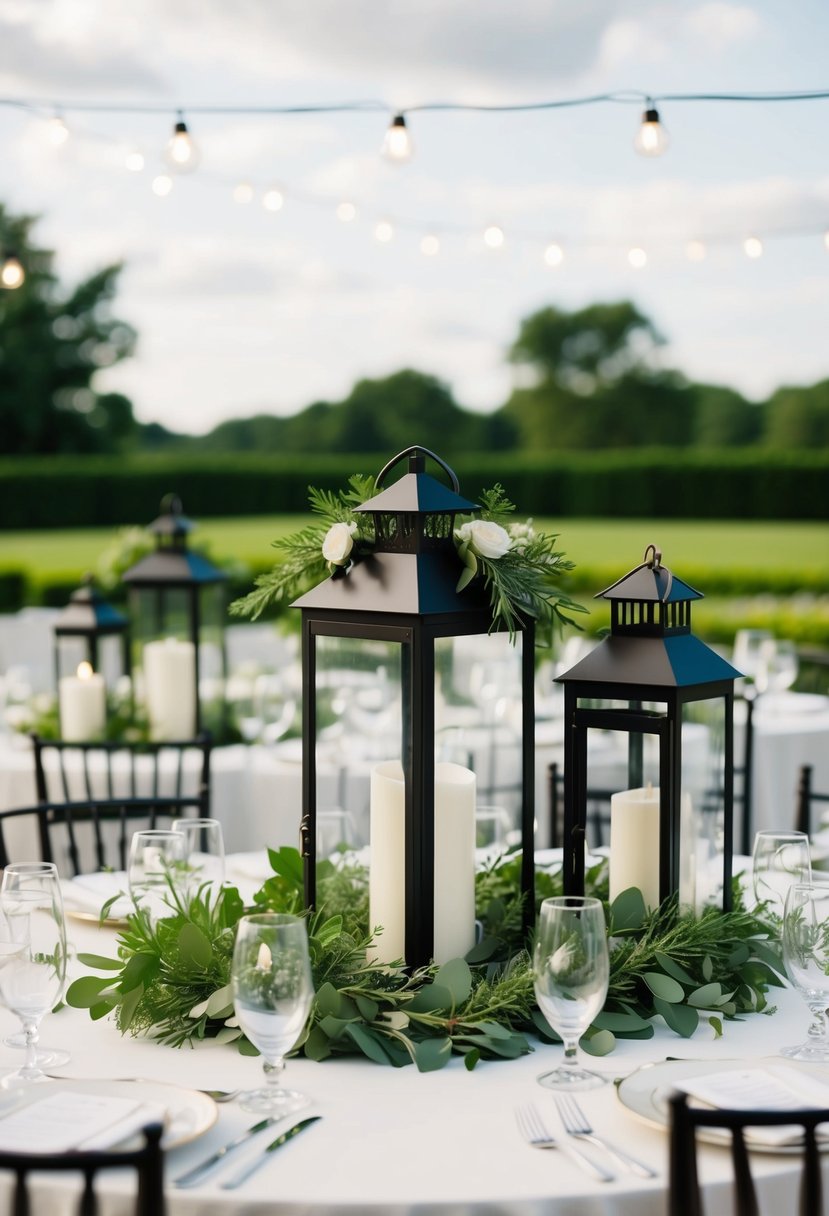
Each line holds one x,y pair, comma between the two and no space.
806,957
33,953
571,967
270,979
778,665
780,858
154,869
203,853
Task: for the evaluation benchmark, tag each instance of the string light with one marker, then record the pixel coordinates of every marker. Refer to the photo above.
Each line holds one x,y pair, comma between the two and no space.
181,153
243,193
695,251
384,232
494,237
134,161
12,274
554,254
273,199
397,145
58,131
637,257
651,138
162,185
430,245
346,213
753,247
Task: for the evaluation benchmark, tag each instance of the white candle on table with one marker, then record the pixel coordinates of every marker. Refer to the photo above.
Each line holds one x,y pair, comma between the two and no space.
634,843
170,688
454,861
82,705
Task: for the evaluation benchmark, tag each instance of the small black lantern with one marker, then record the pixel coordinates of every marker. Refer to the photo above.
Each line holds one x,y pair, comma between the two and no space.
89,630
377,635
666,691
177,605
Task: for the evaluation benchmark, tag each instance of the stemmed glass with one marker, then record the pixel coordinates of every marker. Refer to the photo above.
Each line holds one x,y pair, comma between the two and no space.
806,958
778,665
203,853
156,860
780,859
270,978
571,968
33,970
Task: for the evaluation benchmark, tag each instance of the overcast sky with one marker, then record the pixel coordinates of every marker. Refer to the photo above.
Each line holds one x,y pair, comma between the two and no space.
242,310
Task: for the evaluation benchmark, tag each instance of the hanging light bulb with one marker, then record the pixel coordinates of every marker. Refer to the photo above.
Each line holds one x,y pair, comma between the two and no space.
493,237
695,251
12,273
430,245
384,232
243,193
651,138
134,161
162,185
637,257
273,199
346,213
554,254
181,153
753,247
397,145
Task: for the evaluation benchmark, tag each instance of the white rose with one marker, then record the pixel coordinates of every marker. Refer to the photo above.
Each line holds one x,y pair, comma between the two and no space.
485,538
338,543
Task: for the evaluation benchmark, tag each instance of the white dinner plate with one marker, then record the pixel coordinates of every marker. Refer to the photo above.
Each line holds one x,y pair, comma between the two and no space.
188,1112
645,1094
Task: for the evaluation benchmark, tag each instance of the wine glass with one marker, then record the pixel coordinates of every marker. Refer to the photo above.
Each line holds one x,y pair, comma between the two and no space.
156,861
270,979
571,968
806,958
203,853
778,665
33,970
780,859
746,654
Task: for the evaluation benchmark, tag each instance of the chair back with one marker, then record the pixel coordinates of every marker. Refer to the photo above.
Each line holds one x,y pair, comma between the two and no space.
146,1160
806,798
597,826
684,1197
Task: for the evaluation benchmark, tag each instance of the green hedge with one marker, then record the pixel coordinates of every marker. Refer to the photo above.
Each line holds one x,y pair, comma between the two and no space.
647,483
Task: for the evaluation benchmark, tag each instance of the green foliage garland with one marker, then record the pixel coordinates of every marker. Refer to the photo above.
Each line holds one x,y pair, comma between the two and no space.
170,980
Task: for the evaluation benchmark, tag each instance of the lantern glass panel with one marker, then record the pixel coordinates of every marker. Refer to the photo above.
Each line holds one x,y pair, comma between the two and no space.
704,777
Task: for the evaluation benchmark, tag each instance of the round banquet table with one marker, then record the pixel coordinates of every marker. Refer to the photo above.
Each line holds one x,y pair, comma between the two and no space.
395,1142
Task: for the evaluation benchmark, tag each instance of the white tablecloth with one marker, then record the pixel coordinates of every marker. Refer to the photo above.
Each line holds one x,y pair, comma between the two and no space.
402,1143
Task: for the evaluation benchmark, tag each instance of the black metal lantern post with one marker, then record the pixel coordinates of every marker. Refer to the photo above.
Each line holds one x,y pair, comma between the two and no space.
177,597
649,679
402,600
80,632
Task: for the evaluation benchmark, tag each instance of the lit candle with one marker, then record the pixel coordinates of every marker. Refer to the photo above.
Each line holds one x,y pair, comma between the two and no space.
170,688
264,959
634,843
82,704
454,861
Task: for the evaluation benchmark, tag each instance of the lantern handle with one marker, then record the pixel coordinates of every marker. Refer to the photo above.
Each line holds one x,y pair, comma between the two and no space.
656,560
418,463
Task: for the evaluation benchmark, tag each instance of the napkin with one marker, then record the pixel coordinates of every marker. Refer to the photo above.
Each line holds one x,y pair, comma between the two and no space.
89,892
774,1087
75,1119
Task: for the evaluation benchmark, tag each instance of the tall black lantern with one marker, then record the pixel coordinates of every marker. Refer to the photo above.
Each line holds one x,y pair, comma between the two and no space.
177,601
378,640
671,697
83,631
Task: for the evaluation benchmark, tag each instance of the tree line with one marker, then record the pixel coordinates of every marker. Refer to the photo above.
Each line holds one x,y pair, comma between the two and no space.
588,378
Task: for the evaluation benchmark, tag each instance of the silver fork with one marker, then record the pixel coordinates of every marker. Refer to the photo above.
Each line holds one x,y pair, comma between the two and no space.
534,1131
577,1126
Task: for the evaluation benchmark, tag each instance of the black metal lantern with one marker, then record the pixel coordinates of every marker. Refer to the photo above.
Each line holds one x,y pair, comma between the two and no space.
177,606
672,699
377,653
90,630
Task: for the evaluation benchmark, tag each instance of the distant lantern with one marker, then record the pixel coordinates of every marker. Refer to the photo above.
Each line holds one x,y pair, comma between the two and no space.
90,630
672,698
178,610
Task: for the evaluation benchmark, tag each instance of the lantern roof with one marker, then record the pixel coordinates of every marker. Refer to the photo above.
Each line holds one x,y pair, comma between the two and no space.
172,563
417,491
88,612
172,522
678,661
650,582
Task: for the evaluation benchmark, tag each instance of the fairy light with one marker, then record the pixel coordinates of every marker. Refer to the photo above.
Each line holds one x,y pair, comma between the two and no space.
554,254
397,144
162,185
637,257
273,199
753,247
695,251
384,232
12,274
181,153
58,131
430,245
134,161
243,193
346,213
651,138
494,237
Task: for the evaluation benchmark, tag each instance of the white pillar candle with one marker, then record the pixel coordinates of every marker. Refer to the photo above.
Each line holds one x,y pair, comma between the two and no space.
82,705
634,843
170,688
454,861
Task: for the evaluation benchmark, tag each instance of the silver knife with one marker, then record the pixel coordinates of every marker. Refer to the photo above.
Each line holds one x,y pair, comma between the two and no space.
248,1169
193,1176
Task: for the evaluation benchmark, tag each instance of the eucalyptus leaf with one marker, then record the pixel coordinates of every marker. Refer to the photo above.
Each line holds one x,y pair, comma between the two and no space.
680,1018
706,997
671,967
716,1026
483,950
432,998
628,910
471,1058
194,947
141,968
85,992
100,963
707,968
432,1054
368,1008
626,1022
599,1044
128,1006
456,976
664,987
317,1044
